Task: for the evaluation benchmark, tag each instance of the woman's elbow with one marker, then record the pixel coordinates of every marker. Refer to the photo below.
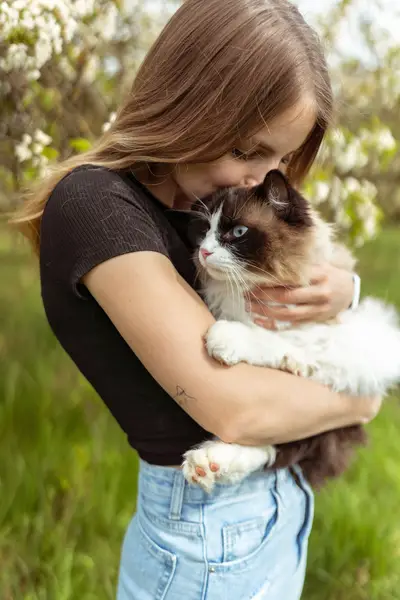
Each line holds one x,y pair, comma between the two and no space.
232,428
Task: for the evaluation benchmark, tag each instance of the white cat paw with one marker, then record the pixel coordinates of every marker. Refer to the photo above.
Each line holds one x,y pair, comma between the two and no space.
199,469
227,342
216,462
301,368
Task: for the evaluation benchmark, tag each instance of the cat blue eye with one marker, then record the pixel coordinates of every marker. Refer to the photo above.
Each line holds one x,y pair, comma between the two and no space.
239,231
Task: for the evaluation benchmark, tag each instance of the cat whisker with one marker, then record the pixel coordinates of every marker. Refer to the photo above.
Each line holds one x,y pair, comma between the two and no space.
247,287
236,283
197,277
243,288
243,283
232,285
203,204
248,290
200,215
270,276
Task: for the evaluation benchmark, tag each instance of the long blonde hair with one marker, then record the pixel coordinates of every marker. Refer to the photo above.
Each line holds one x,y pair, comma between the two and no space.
219,71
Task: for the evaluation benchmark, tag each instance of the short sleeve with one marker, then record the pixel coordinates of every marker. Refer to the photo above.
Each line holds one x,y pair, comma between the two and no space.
92,215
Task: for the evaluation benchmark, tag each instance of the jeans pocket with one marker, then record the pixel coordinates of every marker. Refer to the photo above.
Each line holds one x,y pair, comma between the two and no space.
243,539
147,570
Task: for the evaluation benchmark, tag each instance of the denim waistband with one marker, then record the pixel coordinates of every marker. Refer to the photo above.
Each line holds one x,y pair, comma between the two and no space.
166,482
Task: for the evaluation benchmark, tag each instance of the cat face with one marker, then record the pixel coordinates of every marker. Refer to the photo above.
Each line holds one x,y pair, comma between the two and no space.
260,234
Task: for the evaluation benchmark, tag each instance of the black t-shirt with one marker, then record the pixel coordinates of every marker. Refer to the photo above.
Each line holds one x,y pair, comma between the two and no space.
92,215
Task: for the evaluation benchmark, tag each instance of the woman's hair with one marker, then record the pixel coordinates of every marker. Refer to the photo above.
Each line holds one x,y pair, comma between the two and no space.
219,71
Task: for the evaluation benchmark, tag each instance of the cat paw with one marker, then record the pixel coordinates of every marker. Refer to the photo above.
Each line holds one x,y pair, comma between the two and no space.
299,368
199,469
217,462
226,342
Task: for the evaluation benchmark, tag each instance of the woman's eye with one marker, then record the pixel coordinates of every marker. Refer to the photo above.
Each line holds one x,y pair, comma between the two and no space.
244,155
239,154
239,231
286,159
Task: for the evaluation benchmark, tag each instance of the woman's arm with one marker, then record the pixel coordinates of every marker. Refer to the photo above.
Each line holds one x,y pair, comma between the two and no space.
163,320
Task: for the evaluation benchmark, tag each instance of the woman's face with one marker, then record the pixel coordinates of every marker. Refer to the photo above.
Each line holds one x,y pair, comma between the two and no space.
247,165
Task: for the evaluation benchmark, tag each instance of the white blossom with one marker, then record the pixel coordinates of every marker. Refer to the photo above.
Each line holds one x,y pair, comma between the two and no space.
48,24
371,226
22,152
107,22
26,139
91,69
386,140
342,218
37,148
351,185
31,149
368,189
66,68
107,124
321,191
350,157
42,138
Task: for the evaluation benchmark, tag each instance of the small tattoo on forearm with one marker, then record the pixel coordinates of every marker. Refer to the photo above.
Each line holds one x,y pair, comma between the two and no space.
182,398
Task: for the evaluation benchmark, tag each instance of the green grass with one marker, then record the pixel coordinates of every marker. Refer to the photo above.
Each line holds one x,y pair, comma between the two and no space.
68,477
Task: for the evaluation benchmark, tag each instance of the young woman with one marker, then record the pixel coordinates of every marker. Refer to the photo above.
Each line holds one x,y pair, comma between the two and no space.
230,90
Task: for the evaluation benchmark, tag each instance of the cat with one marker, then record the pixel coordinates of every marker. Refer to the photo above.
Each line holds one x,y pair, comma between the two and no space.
269,235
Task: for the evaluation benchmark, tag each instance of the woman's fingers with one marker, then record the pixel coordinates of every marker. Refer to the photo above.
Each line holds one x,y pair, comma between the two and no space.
313,294
297,314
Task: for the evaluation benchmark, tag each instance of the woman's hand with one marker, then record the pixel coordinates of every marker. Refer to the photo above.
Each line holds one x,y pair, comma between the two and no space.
330,292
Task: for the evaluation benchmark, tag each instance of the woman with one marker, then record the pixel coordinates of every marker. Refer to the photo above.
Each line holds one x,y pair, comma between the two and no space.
229,91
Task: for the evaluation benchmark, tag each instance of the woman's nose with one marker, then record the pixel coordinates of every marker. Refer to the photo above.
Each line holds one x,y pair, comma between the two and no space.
250,182
255,177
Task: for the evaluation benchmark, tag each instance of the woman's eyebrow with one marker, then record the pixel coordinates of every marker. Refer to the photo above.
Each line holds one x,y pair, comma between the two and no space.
258,145
263,146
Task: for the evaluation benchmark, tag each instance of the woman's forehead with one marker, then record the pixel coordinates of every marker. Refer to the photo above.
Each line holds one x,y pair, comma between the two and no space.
287,132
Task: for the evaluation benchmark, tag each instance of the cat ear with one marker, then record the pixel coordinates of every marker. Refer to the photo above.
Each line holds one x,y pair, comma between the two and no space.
288,204
276,189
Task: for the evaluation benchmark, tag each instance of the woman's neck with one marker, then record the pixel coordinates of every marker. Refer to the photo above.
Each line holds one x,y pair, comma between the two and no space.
160,182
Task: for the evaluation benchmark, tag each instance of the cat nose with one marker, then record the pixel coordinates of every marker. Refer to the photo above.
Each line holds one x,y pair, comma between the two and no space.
205,253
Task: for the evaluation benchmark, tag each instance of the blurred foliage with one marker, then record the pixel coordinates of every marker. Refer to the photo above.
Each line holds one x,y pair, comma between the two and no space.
356,180
65,64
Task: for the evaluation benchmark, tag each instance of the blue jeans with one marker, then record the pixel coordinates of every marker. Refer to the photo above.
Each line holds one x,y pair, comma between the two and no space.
242,542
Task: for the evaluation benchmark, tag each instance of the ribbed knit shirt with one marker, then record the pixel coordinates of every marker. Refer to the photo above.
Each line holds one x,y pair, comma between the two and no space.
92,215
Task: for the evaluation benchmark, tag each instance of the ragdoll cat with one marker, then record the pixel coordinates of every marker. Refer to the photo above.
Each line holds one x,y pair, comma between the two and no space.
270,235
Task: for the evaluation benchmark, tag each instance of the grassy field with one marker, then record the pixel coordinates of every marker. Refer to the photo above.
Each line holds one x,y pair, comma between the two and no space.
67,476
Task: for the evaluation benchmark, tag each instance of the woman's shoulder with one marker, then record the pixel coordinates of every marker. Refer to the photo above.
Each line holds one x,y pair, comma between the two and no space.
87,175
94,183
95,198
95,214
